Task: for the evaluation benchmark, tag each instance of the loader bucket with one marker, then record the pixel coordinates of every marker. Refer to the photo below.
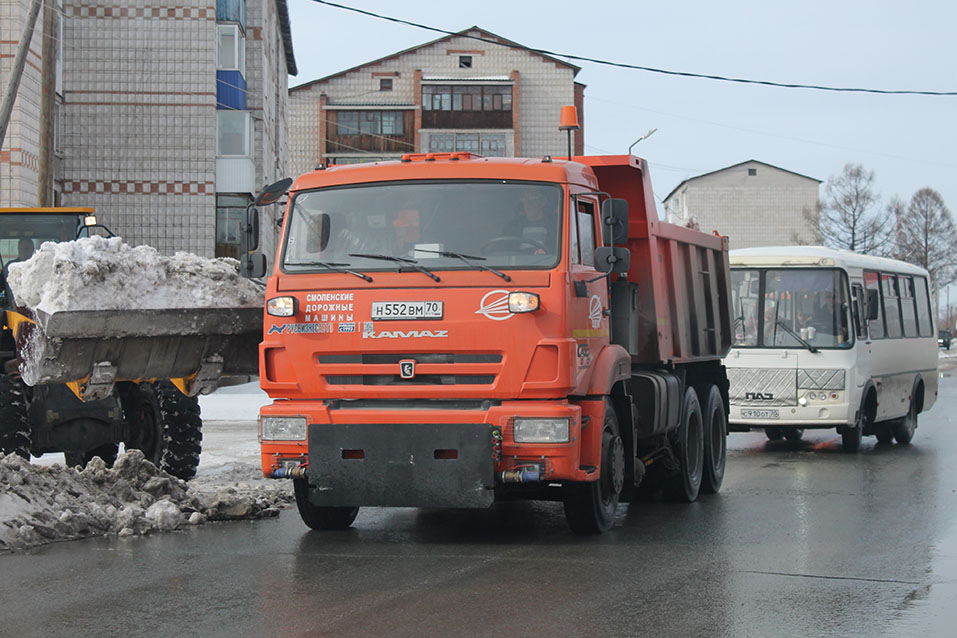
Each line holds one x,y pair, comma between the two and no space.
90,350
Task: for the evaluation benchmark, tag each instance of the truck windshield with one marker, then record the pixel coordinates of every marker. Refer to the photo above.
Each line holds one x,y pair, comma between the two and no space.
495,224
790,308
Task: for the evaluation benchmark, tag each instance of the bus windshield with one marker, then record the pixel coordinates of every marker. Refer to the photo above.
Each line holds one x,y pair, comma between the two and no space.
790,308
436,225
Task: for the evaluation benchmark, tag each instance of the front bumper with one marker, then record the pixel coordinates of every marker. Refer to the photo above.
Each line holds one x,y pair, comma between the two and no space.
822,415
425,457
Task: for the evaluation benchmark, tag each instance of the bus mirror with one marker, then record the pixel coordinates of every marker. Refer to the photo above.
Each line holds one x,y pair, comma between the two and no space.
609,259
873,305
614,221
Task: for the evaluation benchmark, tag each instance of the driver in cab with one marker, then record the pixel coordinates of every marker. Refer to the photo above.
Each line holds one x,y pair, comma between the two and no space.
535,222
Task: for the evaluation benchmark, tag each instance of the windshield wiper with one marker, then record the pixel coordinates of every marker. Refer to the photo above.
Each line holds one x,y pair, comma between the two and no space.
399,260
332,265
791,332
465,258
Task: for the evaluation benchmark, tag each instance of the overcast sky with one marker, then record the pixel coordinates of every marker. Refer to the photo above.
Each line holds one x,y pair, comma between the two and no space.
704,125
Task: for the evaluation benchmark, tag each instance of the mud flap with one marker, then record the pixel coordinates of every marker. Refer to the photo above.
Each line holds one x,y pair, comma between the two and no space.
401,465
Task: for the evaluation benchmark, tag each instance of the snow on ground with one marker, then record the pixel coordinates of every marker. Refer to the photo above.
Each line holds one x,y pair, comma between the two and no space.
43,501
95,273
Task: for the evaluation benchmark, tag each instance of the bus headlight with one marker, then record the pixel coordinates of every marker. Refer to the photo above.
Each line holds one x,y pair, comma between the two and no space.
284,428
540,430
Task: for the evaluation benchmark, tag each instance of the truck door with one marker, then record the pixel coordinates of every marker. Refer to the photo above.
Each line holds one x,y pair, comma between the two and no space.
589,297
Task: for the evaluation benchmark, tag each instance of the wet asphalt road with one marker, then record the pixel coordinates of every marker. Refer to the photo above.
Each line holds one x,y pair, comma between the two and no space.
803,540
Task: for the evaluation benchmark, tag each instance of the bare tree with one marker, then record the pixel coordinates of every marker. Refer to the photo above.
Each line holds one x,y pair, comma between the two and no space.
926,235
846,219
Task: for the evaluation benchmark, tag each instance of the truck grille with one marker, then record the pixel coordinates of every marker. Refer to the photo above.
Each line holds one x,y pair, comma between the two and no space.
419,357
420,379
435,369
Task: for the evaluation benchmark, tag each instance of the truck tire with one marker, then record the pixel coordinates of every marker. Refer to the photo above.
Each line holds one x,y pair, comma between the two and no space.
688,446
166,425
14,422
321,518
590,506
715,439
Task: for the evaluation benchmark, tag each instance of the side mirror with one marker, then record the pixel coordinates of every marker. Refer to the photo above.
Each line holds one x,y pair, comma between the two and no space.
614,221
251,230
252,265
873,305
272,193
609,259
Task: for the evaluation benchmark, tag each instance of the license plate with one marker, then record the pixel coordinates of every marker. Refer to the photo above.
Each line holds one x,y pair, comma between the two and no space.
397,310
759,414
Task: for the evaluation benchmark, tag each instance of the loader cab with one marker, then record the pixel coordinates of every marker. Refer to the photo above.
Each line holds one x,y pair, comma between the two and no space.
24,230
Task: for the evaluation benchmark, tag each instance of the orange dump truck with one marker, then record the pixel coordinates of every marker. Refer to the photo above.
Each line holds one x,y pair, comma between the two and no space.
449,330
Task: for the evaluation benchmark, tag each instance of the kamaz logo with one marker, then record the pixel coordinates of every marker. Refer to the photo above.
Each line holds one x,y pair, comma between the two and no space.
405,334
759,396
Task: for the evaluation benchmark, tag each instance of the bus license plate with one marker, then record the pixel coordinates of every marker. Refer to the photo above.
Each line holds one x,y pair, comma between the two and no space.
759,414
398,310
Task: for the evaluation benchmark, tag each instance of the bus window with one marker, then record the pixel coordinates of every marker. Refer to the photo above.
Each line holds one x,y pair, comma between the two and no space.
908,311
810,304
745,290
923,307
892,307
857,311
872,282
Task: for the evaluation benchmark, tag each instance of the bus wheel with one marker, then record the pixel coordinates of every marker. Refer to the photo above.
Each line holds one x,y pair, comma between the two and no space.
773,434
323,518
590,506
715,440
851,436
794,434
884,434
689,448
904,428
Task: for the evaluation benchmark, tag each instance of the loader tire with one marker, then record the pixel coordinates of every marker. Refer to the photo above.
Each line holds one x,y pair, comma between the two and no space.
14,423
166,425
107,452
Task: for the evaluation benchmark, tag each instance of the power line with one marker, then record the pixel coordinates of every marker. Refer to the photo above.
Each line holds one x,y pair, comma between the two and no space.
636,67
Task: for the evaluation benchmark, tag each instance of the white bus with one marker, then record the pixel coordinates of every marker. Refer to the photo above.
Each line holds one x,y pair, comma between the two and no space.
830,339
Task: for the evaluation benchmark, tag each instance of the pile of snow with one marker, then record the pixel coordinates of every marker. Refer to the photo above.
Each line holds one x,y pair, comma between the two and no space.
96,273
42,504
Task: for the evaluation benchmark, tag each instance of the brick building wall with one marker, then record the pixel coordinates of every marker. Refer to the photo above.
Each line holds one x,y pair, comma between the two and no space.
544,86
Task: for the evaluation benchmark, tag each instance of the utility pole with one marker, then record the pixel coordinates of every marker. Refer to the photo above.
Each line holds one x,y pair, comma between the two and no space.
10,96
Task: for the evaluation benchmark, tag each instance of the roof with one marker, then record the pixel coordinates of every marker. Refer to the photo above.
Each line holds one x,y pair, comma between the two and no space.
816,256
691,179
283,10
484,35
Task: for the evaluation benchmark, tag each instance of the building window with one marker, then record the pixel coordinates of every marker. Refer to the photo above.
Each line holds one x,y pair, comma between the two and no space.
234,133
437,97
230,210
385,84
752,172
488,145
230,49
465,61
370,123
231,11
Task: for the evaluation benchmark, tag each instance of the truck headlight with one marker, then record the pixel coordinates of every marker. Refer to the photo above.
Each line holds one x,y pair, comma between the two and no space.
284,428
281,306
540,430
519,302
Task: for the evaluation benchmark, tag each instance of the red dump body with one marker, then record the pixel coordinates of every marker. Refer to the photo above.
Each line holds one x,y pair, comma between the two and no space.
683,277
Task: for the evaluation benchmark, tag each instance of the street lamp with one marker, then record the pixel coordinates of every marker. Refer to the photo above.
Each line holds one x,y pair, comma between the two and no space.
643,137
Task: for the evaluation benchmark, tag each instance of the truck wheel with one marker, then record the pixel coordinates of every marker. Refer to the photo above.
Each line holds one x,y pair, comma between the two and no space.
689,448
773,434
905,428
323,518
715,441
590,506
14,423
794,434
166,425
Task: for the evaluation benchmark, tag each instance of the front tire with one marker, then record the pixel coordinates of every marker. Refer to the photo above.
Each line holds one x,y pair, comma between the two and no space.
715,441
14,422
794,434
689,448
166,425
590,506
321,518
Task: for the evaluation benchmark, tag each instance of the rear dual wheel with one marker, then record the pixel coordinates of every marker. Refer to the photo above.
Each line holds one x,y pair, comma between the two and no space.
689,447
715,435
